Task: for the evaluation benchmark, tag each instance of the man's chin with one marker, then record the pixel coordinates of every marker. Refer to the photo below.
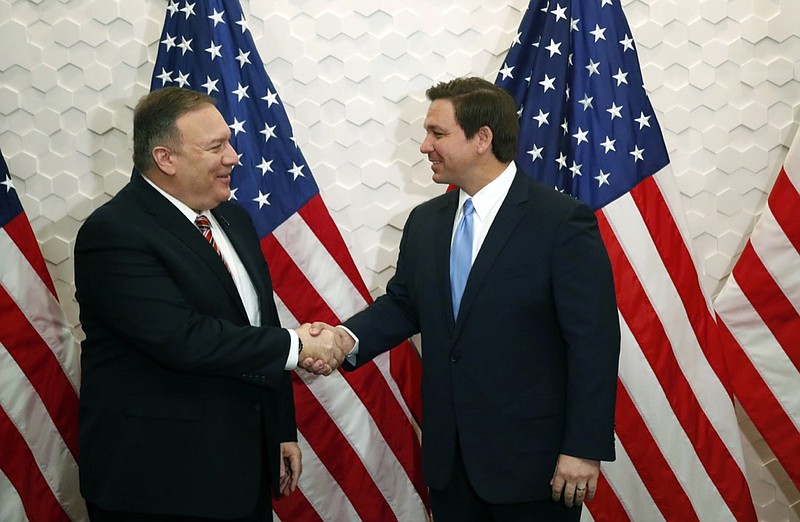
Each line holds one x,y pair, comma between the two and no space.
440,179
223,195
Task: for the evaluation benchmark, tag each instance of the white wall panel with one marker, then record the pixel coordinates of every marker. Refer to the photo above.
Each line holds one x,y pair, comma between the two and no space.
724,76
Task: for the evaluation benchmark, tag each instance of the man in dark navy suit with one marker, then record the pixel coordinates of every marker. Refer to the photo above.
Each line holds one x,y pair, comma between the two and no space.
510,286
186,406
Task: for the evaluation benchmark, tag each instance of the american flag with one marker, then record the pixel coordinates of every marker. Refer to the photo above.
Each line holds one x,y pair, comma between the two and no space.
358,432
759,308
588,129
39,379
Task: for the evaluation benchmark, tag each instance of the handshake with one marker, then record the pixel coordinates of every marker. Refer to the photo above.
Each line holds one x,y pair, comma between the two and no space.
324,347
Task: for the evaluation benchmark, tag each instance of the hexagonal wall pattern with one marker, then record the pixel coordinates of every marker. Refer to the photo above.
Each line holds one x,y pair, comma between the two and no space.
723,76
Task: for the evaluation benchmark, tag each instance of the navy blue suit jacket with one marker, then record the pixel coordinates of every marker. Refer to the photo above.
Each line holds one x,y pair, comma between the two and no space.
182,403
528,369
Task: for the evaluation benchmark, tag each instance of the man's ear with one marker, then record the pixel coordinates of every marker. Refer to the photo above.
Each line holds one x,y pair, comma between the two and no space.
163,158
483,139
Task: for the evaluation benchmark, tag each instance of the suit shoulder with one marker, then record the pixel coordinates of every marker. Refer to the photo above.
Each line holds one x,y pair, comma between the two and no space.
113,210
233,211
436,203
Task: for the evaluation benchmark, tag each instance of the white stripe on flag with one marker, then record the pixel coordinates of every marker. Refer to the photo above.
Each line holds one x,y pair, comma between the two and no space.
287,319
651,402
319,267
356,424
668,187
321,489
41,308
622,477
21,403
327,278
778,256
11,508
383,362
756,340
636,241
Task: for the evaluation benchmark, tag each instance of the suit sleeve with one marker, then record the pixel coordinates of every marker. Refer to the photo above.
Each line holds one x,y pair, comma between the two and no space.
585,301
393,317
156,299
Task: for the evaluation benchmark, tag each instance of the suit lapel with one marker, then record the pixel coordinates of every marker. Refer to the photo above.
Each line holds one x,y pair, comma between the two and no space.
508,217
175,224
441,244
250,258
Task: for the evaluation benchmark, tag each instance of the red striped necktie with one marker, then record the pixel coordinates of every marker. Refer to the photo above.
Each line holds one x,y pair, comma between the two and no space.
204,225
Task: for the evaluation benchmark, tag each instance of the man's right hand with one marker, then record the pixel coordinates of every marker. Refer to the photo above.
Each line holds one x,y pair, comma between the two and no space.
321,353
342,341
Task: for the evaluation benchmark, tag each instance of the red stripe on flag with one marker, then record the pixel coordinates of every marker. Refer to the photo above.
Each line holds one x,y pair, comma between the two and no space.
767,414
292,286
42,369
339,457
19,465
406,366
677,259
606,506
21,233
319,220
406,369
646,327
769,301
368,383
653,469
371,388
783,202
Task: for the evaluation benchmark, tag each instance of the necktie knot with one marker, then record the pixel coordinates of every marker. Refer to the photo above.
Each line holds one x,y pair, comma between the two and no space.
202,223
469,208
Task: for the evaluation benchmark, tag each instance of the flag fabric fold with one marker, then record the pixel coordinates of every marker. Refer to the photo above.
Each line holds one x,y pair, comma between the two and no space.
358,431
587,128
759,310
39,379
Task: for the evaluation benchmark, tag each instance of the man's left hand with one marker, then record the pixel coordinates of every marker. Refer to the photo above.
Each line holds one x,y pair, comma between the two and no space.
576,479
291,467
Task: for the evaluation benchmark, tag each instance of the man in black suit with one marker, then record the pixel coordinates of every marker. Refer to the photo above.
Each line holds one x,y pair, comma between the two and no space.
186,406
520,357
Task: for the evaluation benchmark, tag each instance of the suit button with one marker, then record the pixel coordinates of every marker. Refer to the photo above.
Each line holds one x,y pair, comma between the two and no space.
258,407
454,358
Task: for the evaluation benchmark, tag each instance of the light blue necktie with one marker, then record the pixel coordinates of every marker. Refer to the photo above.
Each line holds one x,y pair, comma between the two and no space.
461,256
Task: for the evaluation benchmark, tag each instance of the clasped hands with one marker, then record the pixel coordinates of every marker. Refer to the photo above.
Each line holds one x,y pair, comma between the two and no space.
324,347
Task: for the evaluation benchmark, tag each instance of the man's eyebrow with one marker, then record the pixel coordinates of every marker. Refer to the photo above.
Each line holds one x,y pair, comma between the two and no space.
218,140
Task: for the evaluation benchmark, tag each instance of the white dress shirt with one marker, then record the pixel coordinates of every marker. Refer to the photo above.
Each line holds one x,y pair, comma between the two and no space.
487,202
244,285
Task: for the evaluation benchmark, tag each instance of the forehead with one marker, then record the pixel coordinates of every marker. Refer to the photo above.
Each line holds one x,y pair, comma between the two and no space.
202,124
440,114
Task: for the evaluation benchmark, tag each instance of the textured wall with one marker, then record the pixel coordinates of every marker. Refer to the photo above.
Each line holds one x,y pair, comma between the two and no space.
722,76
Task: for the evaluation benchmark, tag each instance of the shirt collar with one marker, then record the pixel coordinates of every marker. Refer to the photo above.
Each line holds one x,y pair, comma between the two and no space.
487,197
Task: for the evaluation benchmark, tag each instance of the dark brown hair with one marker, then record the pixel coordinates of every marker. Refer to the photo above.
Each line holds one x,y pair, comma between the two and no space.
154,121
478,103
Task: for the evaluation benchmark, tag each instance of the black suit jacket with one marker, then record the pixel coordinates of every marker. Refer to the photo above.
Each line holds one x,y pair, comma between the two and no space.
183,404
528,369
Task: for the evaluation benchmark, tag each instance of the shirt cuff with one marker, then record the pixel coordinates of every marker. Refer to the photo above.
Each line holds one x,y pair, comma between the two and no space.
351,357
294,344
